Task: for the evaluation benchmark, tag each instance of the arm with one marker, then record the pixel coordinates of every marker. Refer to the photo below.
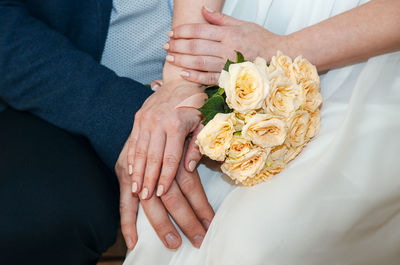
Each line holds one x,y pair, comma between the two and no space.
160,130
42,72
354,36
350,37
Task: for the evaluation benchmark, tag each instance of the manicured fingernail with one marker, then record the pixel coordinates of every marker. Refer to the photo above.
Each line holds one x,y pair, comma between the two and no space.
145,193
160,190
185,74
130,169
172,240
192,165
170,58
209,9
197,240
134,187
166,46
129,243
155,87
170,34
206,224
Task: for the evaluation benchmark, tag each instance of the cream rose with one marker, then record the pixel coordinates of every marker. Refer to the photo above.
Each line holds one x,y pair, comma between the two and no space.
314,124
285,98
313,99
265,130
298,126
246,85
215,138
281,64
305,71
239,147
246,167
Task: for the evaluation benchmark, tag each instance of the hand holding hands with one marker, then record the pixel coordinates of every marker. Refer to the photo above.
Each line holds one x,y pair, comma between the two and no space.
202,49
158,135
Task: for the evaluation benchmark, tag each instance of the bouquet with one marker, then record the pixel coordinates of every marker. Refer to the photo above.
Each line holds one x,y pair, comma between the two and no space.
260,116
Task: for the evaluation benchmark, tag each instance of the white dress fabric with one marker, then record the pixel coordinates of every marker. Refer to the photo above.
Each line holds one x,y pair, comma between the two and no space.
339,201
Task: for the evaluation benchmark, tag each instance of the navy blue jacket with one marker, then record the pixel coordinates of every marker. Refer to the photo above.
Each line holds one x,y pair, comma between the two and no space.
50,53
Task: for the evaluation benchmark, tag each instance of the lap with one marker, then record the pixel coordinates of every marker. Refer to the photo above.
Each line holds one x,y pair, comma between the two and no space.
56,196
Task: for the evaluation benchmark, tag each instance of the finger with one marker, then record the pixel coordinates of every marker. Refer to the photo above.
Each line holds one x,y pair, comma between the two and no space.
183,215
132,144
172,157
193,155
160,221
202,63
197,31
140,160
204,78
156,84
218,18
195,47
153,165
128,211
190,185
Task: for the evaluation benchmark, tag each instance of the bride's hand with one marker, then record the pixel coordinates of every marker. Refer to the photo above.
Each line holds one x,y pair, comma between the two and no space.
157,139
202,49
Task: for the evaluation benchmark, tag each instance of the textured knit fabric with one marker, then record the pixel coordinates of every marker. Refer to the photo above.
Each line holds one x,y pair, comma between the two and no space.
138,29
50,54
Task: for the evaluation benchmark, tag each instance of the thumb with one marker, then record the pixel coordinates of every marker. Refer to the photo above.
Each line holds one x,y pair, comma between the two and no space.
193,155
217,18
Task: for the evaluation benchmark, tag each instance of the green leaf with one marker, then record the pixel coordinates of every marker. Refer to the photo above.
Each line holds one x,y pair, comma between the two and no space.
211,90
214,105
239,57
228,63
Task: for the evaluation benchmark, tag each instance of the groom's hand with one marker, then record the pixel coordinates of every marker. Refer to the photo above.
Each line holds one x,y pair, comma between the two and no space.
128,201
187,204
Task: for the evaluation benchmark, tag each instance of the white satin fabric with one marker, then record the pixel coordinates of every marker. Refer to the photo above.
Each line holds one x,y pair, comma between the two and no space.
339,201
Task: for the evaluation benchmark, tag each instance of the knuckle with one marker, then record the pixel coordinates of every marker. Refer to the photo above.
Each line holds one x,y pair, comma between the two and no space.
153,159
170,160
171,200
212,79
161,226
200,62
138,115
140,154
187,184
147,115
193,47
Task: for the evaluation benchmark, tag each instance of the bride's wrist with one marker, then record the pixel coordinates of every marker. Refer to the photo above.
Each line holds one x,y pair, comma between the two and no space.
172,77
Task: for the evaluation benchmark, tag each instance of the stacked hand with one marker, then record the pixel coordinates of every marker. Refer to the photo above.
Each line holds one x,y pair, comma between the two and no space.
156,145
202,49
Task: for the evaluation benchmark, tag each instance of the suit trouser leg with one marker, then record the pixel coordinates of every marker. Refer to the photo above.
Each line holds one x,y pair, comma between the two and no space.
58,201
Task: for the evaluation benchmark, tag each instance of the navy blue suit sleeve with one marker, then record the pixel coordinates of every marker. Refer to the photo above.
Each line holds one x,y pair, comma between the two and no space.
42,72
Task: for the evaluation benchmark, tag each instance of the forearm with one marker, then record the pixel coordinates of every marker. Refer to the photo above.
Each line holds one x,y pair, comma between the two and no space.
187,12
44,73
356,35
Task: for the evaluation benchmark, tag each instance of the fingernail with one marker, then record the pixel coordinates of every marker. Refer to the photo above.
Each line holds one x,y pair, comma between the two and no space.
134,187
166,46
172,240
155,87
209,9
170,34
129,243
170,58
185,74
206,224
145,193
160,190
192,165
130,169
197,240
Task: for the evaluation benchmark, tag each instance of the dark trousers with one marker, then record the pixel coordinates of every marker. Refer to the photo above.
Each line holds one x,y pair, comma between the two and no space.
58,202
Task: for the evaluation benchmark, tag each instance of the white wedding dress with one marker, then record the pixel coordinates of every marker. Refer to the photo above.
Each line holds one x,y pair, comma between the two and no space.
339,201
